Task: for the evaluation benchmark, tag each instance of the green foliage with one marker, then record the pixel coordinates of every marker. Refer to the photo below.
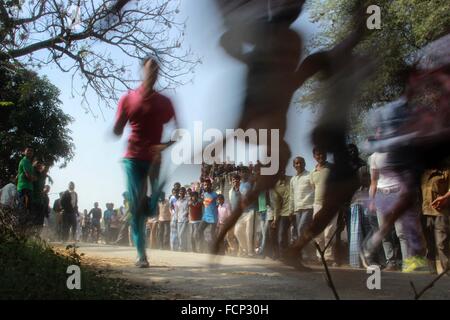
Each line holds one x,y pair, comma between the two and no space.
33,117
31,269
406,26
6,104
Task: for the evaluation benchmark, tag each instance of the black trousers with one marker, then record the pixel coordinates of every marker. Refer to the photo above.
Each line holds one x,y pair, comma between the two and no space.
69,224
206,246
98,230
36,218
436,231
37,214
272,242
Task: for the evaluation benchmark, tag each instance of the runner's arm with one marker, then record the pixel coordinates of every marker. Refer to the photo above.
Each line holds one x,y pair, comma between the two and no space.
121,118
323,60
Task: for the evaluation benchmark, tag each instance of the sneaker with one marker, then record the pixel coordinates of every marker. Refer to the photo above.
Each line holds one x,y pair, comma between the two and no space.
421,264
142,263
415,264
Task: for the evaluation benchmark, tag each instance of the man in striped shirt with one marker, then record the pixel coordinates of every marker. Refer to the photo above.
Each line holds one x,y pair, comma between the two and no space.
182,212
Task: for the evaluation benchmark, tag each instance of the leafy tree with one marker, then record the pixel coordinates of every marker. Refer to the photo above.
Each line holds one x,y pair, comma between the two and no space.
30,115
84,37
406,26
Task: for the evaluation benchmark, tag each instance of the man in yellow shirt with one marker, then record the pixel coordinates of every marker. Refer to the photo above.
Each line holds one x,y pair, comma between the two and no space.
435,218
319,177
283,218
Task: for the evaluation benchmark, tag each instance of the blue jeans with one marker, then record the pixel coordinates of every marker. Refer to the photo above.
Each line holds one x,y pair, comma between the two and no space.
205,243
407,227
136,172
25,199
303,219
283,233
174,242
195,237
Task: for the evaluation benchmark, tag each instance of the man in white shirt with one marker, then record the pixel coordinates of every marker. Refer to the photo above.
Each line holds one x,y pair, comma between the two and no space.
182,212
174,220
301,196
8,194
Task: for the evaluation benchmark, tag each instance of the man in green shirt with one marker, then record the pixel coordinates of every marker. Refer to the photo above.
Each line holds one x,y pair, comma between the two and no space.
263,201
25,178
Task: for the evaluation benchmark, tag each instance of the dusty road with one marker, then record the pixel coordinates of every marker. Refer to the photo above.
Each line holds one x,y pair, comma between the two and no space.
179,275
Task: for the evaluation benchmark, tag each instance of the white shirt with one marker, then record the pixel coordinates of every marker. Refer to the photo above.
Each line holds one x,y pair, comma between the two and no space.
8,194
318,178
302,192
387,178
182,209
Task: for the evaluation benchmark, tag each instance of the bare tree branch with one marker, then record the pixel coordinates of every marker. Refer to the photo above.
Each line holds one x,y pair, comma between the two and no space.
329,279
417,295
34,16
99,41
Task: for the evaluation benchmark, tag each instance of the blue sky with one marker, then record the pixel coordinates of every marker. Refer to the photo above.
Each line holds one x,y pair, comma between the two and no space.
213,97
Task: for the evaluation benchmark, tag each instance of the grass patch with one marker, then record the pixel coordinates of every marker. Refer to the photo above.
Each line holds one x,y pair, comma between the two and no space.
31,269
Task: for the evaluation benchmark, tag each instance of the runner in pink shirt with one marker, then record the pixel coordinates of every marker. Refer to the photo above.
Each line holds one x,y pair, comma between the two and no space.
146,111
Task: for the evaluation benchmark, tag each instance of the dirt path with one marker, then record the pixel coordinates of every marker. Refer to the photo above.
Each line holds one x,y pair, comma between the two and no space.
180,275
